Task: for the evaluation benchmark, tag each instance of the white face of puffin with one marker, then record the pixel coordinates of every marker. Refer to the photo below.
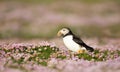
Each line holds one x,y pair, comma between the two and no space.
63,32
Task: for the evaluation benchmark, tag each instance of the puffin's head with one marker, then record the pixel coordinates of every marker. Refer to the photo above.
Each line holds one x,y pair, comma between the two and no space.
64,31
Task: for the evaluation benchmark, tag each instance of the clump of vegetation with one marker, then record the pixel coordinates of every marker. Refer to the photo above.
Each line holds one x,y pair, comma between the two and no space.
22,54
98,55
39,55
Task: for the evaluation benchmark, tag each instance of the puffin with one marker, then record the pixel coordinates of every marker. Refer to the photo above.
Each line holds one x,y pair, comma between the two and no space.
72,42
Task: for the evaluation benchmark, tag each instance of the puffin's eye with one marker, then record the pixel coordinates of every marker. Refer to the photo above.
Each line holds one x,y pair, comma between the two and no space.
63,30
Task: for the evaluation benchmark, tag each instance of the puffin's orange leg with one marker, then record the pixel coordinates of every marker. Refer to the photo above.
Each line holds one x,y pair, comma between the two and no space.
81,51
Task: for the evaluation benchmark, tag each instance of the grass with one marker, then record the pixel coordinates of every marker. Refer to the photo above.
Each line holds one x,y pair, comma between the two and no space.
114,30
89,31
51,1
110,31
92,1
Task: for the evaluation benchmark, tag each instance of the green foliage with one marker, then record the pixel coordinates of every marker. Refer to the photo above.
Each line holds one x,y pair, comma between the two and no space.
43,63
118,52
37,55
85,56
45,52
19,61
99,55
96,51
61,57
41,55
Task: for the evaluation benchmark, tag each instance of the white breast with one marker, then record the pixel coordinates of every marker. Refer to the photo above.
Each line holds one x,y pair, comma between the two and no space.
70,44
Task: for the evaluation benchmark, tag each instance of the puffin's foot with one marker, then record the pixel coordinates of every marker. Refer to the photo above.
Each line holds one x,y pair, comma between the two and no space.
81,51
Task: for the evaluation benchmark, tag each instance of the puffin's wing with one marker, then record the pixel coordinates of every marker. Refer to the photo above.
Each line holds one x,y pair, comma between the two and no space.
80,42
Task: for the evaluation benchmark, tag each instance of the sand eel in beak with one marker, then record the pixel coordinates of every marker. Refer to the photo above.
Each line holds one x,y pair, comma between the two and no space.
72,42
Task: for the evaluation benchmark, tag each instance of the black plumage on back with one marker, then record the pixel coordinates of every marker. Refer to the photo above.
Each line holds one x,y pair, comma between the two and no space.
81,43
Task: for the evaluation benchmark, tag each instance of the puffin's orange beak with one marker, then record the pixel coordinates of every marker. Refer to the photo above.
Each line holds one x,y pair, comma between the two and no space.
59,34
